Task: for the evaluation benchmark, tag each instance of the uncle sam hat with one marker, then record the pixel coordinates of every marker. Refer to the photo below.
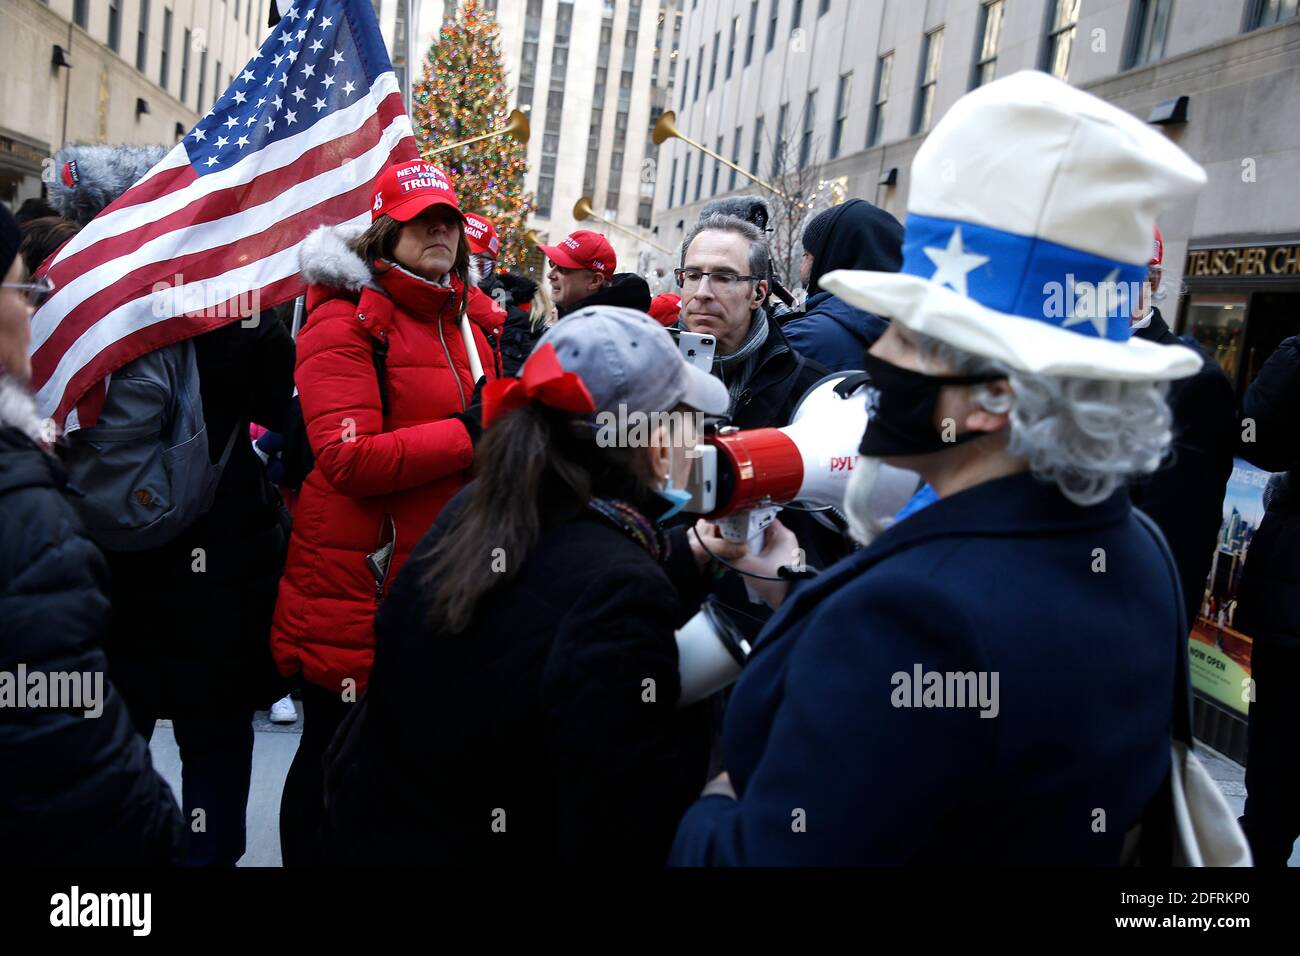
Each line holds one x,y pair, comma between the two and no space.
1028,232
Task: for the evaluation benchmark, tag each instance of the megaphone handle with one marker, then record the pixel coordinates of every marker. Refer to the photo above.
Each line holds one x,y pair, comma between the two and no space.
735,527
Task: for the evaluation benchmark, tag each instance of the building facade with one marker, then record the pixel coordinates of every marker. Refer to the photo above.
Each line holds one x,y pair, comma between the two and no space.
849,88
593,76
112,71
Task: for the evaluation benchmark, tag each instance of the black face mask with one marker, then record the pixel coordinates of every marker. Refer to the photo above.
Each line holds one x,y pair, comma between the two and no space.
902,403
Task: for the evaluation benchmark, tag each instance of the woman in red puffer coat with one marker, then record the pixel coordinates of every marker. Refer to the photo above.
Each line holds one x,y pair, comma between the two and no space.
386,387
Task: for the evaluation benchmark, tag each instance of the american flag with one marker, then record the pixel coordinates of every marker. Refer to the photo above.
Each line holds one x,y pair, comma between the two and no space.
296,142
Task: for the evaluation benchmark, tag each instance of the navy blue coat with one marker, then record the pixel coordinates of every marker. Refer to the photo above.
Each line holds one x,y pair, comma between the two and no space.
998,578
832,332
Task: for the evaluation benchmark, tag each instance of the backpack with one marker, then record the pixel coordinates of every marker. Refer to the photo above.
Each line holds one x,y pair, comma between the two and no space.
144,470
296,458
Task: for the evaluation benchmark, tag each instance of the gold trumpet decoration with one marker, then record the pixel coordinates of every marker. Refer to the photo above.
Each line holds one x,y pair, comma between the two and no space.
517,129
666,128
582,210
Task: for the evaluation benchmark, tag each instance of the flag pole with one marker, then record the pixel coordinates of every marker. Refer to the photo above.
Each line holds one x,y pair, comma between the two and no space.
409,53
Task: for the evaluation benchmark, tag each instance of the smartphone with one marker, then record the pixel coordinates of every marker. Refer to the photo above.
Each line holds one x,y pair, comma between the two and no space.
697,349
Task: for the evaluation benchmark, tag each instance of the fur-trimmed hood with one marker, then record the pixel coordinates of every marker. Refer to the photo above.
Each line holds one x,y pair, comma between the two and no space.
18,409
101,174
327,258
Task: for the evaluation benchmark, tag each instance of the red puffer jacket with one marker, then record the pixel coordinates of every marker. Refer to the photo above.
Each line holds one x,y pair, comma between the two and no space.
377,478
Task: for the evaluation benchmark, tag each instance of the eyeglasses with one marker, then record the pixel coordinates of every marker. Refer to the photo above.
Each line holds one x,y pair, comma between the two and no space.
37,292
690,279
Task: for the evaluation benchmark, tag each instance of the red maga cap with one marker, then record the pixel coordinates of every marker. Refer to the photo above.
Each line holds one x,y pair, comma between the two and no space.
584,250
408,189
1157,251
482,235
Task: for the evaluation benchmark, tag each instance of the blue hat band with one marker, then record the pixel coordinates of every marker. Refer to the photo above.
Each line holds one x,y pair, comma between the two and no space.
1025,276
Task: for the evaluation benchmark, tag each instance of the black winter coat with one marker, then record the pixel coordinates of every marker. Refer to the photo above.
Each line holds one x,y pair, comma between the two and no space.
1268,603
74,789
534,718
1185,497
187,642
780,378
517,333
626,289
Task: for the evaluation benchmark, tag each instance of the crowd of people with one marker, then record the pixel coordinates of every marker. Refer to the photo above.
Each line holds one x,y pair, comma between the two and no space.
475,601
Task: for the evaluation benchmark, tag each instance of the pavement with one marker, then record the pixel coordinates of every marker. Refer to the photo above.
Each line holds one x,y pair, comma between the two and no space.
275,744
273,748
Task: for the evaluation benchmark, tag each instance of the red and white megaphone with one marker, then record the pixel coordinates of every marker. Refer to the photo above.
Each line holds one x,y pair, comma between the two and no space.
741,478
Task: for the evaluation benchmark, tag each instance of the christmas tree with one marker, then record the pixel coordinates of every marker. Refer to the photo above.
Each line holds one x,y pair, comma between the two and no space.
462,95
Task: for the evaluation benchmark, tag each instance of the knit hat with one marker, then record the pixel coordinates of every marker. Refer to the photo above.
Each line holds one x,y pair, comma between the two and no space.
11,237
817,230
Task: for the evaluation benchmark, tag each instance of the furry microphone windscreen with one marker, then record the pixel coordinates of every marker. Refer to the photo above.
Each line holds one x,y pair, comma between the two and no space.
87,177
753,209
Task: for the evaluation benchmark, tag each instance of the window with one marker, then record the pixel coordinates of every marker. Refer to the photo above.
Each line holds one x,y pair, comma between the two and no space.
699,180
713,62
1265,13
735,156
545,195
165,58
1152,21
615,182
988,35
875,126
686,180
185,67
756,150
717,169
216,83
778,144
823,7
686,82
528,61
81,13
797,16
555,103
753,26
114,24
142,37
672,186
644,210
699,72
841,112
1060,38
931,51
203,78
771,25
731,47
809,121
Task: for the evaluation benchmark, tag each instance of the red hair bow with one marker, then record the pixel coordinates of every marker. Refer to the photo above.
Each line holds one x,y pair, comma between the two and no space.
543,380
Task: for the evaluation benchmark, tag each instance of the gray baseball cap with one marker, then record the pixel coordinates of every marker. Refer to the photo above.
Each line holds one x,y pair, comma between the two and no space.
627,358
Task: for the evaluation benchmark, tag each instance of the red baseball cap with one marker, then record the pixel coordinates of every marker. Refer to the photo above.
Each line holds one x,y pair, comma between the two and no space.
482,235
1157,251
666,308
407,189
584,250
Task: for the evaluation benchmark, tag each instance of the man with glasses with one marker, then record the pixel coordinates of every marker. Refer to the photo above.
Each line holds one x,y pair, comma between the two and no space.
582,274
723,278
